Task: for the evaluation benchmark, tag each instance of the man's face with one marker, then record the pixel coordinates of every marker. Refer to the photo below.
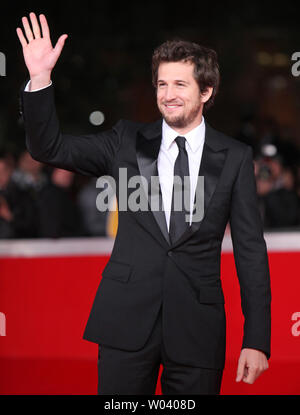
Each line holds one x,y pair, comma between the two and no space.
178,95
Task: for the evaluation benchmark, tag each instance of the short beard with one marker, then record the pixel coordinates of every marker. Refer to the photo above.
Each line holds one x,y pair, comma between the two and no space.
182,121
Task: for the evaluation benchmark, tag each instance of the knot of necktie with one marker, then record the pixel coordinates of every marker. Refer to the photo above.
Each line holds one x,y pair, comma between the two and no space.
180,141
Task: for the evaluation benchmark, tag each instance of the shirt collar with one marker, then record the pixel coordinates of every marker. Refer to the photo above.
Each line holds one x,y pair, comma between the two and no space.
195,137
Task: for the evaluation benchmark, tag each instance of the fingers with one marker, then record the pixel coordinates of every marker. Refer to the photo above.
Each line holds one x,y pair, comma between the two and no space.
241,370
45,27
252,375
27,29
35,33
252,363
60,44
21,37
35,25
254,372
249,373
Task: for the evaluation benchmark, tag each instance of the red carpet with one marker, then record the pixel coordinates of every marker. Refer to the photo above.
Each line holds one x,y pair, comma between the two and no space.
45,302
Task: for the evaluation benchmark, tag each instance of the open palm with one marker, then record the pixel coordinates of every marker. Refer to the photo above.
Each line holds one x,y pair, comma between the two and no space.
39,55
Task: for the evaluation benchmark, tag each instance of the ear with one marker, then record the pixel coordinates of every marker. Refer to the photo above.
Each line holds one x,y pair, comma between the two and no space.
206,94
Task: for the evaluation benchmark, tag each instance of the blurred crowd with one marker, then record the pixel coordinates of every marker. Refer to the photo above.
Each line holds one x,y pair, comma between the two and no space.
277,171
37,201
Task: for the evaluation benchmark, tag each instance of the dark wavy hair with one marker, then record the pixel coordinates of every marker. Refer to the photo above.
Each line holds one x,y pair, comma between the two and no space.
205,60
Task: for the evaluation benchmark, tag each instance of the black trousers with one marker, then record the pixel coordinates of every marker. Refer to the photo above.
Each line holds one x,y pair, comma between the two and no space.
136,373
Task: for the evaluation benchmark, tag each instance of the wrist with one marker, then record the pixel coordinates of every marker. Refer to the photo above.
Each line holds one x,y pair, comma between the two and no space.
39,81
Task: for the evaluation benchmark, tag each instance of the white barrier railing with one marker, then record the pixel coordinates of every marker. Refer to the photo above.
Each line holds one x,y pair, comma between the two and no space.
276,242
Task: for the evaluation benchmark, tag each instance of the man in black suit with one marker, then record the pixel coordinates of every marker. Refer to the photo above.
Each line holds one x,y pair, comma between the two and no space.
160,299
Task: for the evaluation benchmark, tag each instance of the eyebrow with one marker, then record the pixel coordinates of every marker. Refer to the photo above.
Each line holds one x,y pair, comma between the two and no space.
176,80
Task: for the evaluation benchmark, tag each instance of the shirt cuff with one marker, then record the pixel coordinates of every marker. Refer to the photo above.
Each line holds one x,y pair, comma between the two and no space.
34,90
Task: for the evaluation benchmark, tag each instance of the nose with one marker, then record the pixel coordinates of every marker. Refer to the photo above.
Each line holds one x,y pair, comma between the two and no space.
170,93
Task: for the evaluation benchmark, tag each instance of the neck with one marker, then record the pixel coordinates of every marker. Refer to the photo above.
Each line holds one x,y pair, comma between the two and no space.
188,128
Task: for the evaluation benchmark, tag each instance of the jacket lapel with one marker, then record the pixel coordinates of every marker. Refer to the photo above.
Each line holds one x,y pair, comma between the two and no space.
147,149
212,162
211,166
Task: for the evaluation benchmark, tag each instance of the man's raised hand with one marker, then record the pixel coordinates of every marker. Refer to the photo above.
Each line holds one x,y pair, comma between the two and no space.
39,55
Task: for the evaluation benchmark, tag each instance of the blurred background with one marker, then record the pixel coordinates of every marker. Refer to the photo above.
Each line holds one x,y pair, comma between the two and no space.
104,74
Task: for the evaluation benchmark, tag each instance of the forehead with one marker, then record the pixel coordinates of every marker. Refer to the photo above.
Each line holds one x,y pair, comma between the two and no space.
175,70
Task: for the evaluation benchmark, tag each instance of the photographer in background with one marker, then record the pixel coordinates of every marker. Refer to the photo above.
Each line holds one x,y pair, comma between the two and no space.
276,187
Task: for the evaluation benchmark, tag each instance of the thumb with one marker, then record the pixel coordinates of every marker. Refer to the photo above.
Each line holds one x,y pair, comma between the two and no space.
59,45
240,369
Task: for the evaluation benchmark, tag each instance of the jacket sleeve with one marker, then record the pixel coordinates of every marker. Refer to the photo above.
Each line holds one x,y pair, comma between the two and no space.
90,155
251,258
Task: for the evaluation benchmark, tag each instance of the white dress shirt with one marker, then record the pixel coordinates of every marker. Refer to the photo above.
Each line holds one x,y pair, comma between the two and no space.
167,156
166,160
34,90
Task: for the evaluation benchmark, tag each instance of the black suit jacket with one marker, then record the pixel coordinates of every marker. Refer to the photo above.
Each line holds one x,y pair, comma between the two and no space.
145,271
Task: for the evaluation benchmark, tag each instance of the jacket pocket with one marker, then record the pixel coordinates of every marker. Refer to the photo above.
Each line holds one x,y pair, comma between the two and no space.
117,271
211,295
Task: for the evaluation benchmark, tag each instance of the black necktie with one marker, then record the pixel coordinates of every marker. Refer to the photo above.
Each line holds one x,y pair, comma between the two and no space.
181,192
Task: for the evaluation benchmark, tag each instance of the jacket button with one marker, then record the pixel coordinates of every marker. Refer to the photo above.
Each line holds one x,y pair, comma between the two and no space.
170,253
